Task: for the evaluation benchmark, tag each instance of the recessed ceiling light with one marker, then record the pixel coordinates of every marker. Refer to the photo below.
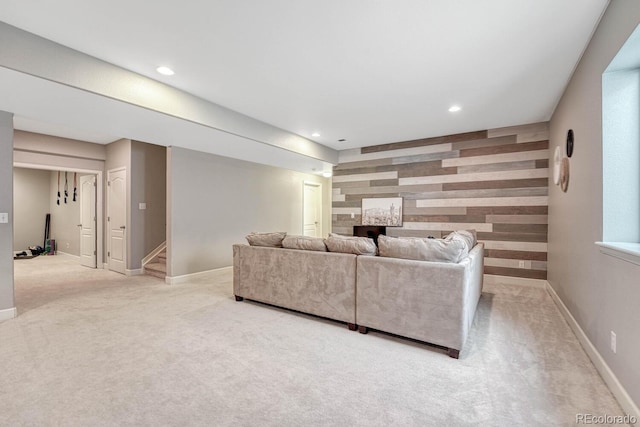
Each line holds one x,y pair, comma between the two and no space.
166,71
327,174
315,134
454,108
342,140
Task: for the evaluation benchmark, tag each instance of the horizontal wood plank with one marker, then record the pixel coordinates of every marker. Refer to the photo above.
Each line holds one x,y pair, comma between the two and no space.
517,272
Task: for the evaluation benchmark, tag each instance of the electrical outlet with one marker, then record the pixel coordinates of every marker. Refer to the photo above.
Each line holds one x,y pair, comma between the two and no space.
4,217
520,264
613,341
67,245
353,215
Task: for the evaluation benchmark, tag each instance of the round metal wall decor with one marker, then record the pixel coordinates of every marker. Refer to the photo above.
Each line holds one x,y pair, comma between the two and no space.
570,143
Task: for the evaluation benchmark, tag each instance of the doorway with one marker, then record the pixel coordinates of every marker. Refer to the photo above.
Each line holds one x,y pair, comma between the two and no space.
76,214
312,211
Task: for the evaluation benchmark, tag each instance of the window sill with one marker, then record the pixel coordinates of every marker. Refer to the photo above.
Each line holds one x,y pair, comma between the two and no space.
629,252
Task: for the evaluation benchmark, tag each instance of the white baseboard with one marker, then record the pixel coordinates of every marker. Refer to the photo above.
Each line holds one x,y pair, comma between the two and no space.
135,272
492,279
212,274
8,313
105,266
628,405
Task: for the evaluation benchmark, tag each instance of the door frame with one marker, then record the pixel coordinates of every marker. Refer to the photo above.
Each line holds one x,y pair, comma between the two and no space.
126,217
320,204
99,200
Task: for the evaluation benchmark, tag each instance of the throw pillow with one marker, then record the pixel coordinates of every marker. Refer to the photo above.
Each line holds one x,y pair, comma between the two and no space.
467,236
269,239
422,249
305,243
351,244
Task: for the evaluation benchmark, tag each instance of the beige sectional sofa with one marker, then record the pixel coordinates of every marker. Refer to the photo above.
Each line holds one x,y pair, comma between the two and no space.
429,301
320,283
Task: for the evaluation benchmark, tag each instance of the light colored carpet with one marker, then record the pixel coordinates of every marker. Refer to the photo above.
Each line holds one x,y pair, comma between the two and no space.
93,348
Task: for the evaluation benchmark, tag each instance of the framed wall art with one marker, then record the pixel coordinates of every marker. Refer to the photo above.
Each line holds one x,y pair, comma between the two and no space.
387,211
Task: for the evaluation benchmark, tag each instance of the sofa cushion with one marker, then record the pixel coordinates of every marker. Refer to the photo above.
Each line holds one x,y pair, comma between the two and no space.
351,244
306,243
421,249
269,239
467,236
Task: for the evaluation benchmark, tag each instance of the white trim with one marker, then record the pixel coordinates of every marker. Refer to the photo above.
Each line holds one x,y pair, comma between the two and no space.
135,272
105,266
8,313
629,252
154,253
600,364
75,257
211,274
53,168
492,279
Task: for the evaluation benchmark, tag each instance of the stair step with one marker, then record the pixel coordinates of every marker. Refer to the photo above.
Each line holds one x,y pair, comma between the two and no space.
156,266
157,274
156,269
162,256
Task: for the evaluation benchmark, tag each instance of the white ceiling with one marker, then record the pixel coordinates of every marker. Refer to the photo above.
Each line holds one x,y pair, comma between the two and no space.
370,71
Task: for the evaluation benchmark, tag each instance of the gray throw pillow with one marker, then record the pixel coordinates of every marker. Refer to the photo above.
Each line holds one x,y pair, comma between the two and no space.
351,244
466,236
305,243
269,239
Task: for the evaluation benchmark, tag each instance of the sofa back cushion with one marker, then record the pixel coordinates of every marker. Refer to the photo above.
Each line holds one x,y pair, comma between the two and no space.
306,243
421,249
269,239
351,244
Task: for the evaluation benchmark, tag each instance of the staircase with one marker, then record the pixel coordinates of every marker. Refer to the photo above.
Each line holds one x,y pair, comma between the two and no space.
158,266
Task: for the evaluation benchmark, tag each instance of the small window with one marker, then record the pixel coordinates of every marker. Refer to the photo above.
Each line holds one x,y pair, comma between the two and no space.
621,151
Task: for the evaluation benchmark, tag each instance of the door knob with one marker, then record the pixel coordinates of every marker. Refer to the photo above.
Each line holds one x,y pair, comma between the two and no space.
79,225
122,227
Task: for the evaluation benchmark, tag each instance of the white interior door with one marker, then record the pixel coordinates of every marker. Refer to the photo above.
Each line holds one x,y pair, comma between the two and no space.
88,221
117,219
312,215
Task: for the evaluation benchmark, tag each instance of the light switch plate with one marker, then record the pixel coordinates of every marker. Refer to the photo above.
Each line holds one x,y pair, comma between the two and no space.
142,206
4,217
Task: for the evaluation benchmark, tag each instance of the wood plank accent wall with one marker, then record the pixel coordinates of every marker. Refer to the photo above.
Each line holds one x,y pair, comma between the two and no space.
494,181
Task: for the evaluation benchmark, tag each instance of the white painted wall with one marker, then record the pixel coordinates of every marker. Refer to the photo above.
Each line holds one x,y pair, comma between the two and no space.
214,202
